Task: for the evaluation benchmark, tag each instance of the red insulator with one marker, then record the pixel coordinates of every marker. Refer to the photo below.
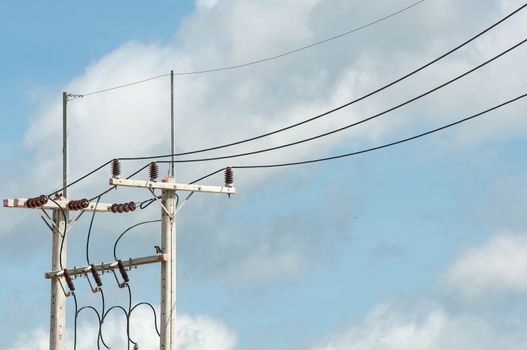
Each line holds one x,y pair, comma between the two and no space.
132,206
96,276
113,208
84,203
122,270
42,200
120,208
69,281
154,171
229,177
116,168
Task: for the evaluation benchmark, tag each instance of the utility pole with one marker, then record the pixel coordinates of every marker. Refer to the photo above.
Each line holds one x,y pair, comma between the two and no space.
57,327
168,189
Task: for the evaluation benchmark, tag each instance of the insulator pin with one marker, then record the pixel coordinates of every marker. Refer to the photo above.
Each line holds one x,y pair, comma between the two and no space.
116,168
154,171
69,281
96,276
229,177
122,270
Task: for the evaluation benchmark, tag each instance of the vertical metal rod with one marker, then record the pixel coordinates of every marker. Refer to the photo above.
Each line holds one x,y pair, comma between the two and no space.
172,145
65,142
168,272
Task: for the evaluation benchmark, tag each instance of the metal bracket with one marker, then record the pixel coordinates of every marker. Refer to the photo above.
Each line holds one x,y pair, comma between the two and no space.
160,203
184,202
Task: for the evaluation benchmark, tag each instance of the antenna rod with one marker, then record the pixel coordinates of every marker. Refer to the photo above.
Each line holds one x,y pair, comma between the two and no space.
172,146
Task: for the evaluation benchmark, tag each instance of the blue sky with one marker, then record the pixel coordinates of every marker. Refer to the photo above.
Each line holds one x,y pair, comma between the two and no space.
418,246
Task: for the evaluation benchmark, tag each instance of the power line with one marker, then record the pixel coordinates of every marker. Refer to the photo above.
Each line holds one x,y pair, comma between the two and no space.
313,118
341,106
345,155
358,122
265,59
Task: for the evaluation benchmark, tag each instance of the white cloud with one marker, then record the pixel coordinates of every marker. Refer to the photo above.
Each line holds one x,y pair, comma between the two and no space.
193,333
499,265
429,327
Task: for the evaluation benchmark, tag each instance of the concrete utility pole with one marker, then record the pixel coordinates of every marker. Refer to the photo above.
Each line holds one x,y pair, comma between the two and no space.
168,241
168,270
57,325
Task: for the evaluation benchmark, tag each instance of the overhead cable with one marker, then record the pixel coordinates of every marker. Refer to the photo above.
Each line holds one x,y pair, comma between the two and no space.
350,154
265,59
313,118
358,122
305,121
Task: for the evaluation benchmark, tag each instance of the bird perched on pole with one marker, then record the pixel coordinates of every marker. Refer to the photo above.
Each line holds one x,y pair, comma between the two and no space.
158,249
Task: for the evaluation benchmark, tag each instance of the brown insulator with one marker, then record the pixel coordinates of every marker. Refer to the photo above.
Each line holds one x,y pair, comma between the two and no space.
72,205
120,208
154,171
69,281
116,168
113,208
29,203
96,276
132,206
229,177
42,200
126,207
34,202
84,203
122,270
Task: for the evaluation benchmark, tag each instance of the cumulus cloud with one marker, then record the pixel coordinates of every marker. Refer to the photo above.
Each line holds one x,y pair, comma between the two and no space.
494,267
427,327
193,333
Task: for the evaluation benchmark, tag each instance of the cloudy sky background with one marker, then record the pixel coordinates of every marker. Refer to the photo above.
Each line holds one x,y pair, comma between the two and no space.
420,246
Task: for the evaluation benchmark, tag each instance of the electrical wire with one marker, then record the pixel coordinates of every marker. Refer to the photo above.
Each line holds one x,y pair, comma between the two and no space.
266,59
114,187
153,310
317,116
345,155
63,234
89,232
119,307
77,312
305,121
125,231
360,121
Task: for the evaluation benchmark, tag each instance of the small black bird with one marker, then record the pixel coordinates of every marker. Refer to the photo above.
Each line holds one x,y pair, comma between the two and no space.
158,249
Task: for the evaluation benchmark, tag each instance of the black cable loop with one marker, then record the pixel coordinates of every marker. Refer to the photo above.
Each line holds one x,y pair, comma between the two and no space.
127,322
125,231
153,310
